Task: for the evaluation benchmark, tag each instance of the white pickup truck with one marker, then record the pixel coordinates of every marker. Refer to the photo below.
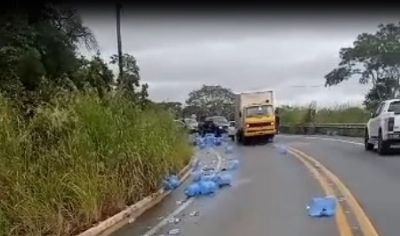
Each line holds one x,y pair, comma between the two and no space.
383,129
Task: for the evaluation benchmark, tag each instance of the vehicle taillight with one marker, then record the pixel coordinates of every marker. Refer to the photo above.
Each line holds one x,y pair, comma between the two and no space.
390,123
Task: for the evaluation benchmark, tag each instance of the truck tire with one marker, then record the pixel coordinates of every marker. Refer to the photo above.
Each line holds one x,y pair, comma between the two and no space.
239,137
383,146
367,145
271,138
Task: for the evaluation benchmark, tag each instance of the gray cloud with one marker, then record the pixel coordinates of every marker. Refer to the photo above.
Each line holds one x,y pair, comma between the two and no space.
177,55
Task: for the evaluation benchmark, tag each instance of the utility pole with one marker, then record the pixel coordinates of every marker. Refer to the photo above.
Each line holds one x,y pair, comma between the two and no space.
120,62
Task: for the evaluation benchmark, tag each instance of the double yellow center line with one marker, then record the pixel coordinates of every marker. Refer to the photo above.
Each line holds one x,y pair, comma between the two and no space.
325,177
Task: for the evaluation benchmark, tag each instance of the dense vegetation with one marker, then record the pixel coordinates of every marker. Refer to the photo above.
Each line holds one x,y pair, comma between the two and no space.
76,145
309,114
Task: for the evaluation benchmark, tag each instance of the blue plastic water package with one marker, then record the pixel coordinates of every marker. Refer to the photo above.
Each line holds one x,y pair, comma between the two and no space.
192,190
322,207
222,179
196,175
282,149
207,187
229,149
195,164
233,164
207,177
171,182
218,141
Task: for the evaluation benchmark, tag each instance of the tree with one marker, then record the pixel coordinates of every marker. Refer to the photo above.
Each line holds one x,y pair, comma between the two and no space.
372,58
173,107
130,80
215,100
381,91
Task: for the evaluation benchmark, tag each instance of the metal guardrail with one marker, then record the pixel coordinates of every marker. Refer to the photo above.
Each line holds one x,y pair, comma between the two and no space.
343,129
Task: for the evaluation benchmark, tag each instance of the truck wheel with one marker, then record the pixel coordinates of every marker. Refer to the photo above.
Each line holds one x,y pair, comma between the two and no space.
239,137
383,146
368,146
271,138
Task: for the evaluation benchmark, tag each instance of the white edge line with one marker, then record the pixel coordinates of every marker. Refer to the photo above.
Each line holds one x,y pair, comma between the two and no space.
182,207
324,139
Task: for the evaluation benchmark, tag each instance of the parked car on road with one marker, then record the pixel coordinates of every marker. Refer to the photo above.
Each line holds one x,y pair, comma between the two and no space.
383,128
192,125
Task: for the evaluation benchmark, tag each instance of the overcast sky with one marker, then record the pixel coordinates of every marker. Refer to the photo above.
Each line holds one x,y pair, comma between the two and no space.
178,54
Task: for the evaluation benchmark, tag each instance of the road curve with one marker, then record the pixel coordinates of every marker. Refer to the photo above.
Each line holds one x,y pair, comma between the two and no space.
374,180
269,196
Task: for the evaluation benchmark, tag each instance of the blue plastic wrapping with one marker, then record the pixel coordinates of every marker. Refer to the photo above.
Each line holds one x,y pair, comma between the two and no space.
282,149
322,207
218,141
192,190
222,179
195,164
229,149
207,187
171,182
233,164
207,177
196,175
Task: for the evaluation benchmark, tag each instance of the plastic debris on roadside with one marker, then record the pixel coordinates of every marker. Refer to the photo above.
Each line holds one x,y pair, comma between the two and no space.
171,182
322,207
282,149
196,175
195,164
192,190
207,187
233,164
222,179
229,149
174,232
218,141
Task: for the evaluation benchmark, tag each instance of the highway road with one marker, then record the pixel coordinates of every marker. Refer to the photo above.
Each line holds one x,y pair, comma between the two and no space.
271,190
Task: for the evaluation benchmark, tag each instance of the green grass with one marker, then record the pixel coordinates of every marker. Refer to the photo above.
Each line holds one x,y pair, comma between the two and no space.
80,161
339,114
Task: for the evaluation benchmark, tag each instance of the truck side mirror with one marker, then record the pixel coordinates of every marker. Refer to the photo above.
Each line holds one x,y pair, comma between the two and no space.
372,114
240,114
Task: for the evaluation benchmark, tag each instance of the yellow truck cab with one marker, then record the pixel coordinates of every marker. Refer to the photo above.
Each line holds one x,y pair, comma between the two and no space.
255,116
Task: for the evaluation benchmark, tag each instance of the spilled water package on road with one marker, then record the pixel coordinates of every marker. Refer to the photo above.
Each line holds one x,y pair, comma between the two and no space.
233,164
171,182
282,149
228,150
322,207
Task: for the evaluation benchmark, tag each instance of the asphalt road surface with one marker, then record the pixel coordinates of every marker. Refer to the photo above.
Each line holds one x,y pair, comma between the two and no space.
270,192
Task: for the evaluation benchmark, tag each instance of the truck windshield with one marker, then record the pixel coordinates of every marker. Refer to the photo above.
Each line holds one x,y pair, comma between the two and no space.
265,110
394,107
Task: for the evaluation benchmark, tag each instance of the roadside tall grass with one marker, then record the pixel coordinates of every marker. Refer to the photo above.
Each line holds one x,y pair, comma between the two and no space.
343,113
80,161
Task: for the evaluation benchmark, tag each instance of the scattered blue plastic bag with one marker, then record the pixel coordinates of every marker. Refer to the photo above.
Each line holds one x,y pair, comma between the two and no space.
207,177
207,187
192,190
196,175
282,149
195,164
171,182
229,150
222,179
322,207
218,141
233,164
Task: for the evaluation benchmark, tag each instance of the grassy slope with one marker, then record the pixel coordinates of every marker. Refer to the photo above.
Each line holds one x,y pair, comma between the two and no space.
81,161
